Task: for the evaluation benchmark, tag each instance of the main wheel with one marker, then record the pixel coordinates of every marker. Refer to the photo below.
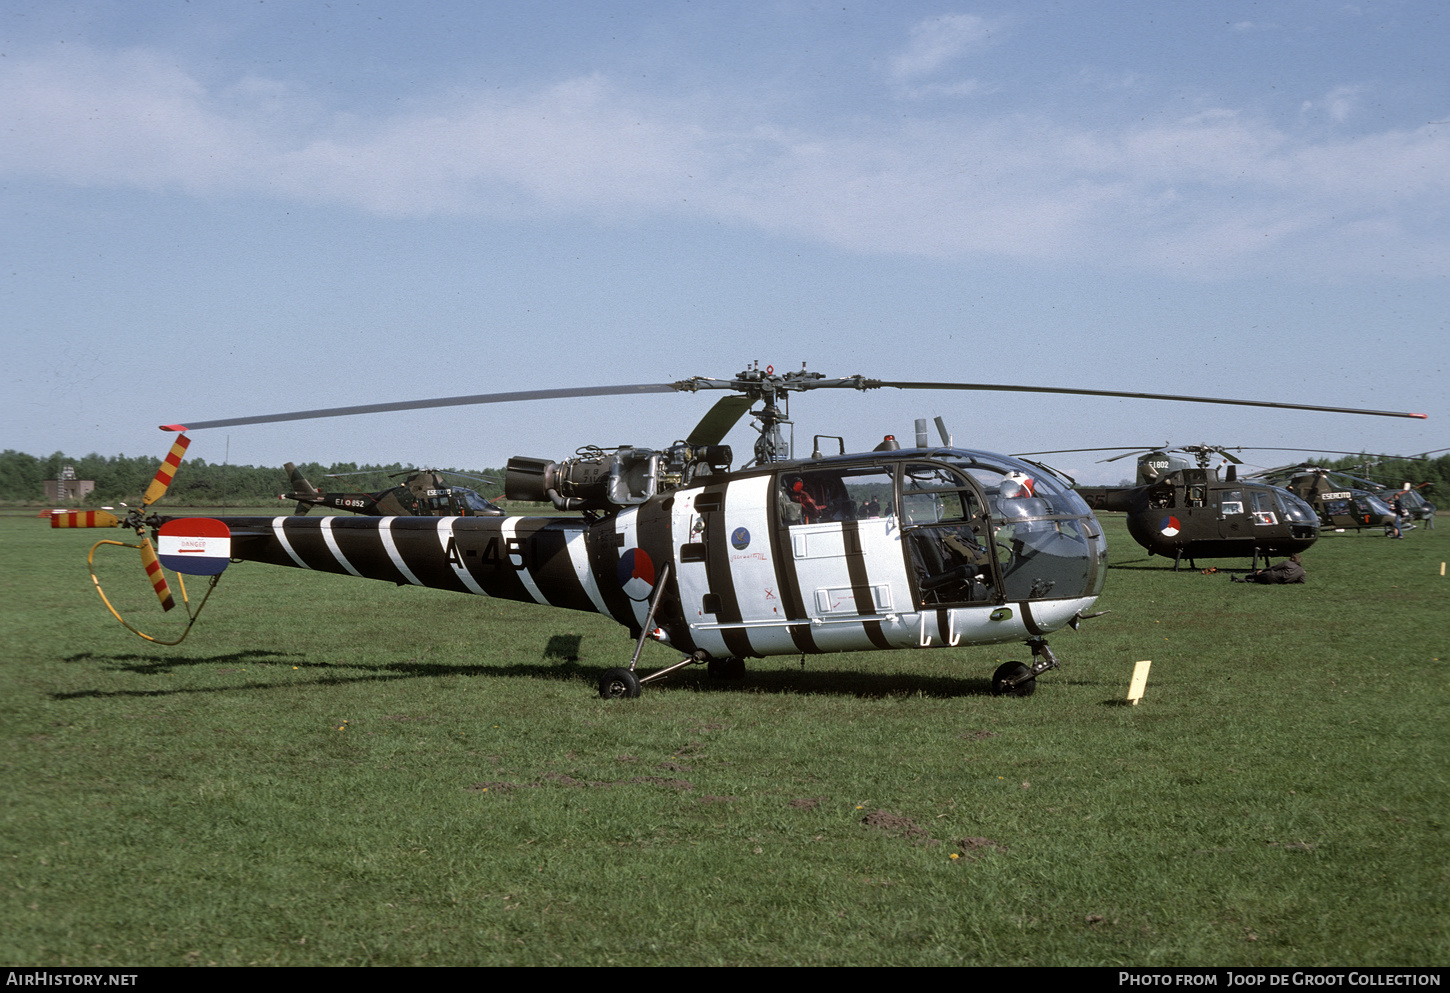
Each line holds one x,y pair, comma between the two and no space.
617,683
1007,670
725,668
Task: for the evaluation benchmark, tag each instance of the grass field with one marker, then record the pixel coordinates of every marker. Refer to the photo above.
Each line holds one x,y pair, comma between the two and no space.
331,771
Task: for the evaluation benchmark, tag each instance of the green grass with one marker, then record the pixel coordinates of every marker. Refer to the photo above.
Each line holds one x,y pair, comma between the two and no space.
330,771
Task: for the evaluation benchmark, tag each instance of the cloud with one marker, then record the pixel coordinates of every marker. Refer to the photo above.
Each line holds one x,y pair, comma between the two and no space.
1339,103
935,43
1205,195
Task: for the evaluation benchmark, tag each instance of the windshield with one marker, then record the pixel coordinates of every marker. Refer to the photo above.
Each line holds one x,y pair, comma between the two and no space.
1047,541
1375,505
1294,509
471,499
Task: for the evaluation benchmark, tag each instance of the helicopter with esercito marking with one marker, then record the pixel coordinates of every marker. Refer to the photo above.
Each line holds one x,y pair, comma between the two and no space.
423,493
891,548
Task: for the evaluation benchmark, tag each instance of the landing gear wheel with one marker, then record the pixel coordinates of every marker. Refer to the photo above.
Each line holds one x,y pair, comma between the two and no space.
1006,671
725,669
618,683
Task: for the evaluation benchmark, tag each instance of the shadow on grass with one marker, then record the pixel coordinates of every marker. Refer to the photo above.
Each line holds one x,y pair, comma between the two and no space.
147,665
559,664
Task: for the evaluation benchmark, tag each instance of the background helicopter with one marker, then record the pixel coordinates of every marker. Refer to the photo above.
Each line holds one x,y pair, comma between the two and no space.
1411,496
1341,501
774,558
424,493
1185,511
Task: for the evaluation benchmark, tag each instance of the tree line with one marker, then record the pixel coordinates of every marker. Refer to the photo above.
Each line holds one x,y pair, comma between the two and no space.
1395,473
119,478
198,482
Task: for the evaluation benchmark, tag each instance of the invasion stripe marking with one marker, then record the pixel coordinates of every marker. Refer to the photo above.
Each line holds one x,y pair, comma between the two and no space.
626,524
1028,621
331,540
508,529
446,537
722,580
579,559
280,533
783,554
385,531
860,582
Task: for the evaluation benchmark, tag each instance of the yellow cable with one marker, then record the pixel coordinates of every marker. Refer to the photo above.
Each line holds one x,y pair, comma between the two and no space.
91,564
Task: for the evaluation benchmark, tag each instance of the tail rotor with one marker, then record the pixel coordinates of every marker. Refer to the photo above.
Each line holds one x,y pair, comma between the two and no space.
196,545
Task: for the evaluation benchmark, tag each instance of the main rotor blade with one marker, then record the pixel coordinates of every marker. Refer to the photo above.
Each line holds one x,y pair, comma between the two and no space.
716,424
379,408
998,388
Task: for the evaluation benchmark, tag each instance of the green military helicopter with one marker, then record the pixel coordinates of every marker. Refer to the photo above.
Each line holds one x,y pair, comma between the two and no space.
1184,511
423,493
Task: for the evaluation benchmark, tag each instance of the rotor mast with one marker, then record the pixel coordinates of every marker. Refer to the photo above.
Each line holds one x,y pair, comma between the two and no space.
772,391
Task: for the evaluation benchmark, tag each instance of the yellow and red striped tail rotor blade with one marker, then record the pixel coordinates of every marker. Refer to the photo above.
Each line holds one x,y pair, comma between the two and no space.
158,486
154,573
83,519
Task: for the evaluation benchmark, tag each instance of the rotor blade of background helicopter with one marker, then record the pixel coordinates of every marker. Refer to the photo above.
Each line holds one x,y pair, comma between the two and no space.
718,421
378,408
985,387
1324,451
1105,448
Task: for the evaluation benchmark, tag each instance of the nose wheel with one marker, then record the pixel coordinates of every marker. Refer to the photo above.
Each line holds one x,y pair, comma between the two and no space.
1016,679
1013,679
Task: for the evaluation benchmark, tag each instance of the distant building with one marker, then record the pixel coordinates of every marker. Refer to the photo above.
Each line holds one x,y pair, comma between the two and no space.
67,487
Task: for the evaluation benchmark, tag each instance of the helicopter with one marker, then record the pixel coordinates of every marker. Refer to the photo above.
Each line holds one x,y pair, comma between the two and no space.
1340,501
786,555
1412,502
424,493
1187,512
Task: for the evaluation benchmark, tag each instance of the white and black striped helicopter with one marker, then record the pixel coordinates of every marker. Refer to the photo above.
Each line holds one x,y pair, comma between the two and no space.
895,548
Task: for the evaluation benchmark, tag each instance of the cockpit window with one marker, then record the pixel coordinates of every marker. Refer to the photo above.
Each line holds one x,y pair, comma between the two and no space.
1295,511
471,500
818,496
1376,505
1045,539
932,493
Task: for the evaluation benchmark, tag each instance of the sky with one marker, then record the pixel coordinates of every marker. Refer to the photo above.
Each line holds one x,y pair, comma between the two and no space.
221,209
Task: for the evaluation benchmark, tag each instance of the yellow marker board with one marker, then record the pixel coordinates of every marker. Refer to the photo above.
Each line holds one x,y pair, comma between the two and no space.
1139,683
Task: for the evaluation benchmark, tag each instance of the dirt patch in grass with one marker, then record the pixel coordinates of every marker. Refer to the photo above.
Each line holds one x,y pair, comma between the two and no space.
899,827
561,779
677,784
807,802
972,847
497,786
977,735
